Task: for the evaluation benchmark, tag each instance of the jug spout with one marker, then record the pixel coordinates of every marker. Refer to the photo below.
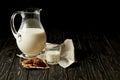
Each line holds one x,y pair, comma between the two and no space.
38,10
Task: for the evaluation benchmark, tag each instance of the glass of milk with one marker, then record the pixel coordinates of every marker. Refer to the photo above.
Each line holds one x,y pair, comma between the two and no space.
53,55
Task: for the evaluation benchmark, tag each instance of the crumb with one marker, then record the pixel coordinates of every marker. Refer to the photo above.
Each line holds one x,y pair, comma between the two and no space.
35,63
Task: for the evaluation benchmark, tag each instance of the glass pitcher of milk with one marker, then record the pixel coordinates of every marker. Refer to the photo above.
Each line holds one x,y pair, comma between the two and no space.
31,36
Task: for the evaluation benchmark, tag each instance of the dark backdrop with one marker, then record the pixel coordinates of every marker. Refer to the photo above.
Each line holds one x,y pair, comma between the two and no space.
62,16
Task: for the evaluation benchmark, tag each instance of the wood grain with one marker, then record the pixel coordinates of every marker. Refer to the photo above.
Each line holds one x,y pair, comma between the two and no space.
6,59
97,57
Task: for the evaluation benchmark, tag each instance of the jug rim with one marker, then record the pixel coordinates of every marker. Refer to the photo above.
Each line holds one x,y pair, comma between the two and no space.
32,10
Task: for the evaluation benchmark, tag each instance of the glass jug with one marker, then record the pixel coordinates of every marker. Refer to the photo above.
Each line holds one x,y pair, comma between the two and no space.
31,36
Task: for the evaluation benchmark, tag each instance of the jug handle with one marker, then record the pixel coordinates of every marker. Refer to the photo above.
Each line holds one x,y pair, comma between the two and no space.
12,25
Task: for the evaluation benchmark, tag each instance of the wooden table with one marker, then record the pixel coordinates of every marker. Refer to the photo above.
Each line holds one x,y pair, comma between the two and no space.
97,58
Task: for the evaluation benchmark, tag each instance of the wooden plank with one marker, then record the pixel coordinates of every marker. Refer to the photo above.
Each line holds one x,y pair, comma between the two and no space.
86,69
38,74
97,58
113,40
6,59
91,62
94,65
101,48
17,72
57,73
10,66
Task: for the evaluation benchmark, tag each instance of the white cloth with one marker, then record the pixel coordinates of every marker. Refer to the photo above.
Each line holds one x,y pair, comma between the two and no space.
67,53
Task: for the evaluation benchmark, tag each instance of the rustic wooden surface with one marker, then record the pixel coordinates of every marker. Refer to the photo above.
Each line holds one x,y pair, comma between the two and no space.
97,58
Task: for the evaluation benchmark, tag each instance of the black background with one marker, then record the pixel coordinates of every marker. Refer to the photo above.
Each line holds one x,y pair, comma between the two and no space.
63,16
